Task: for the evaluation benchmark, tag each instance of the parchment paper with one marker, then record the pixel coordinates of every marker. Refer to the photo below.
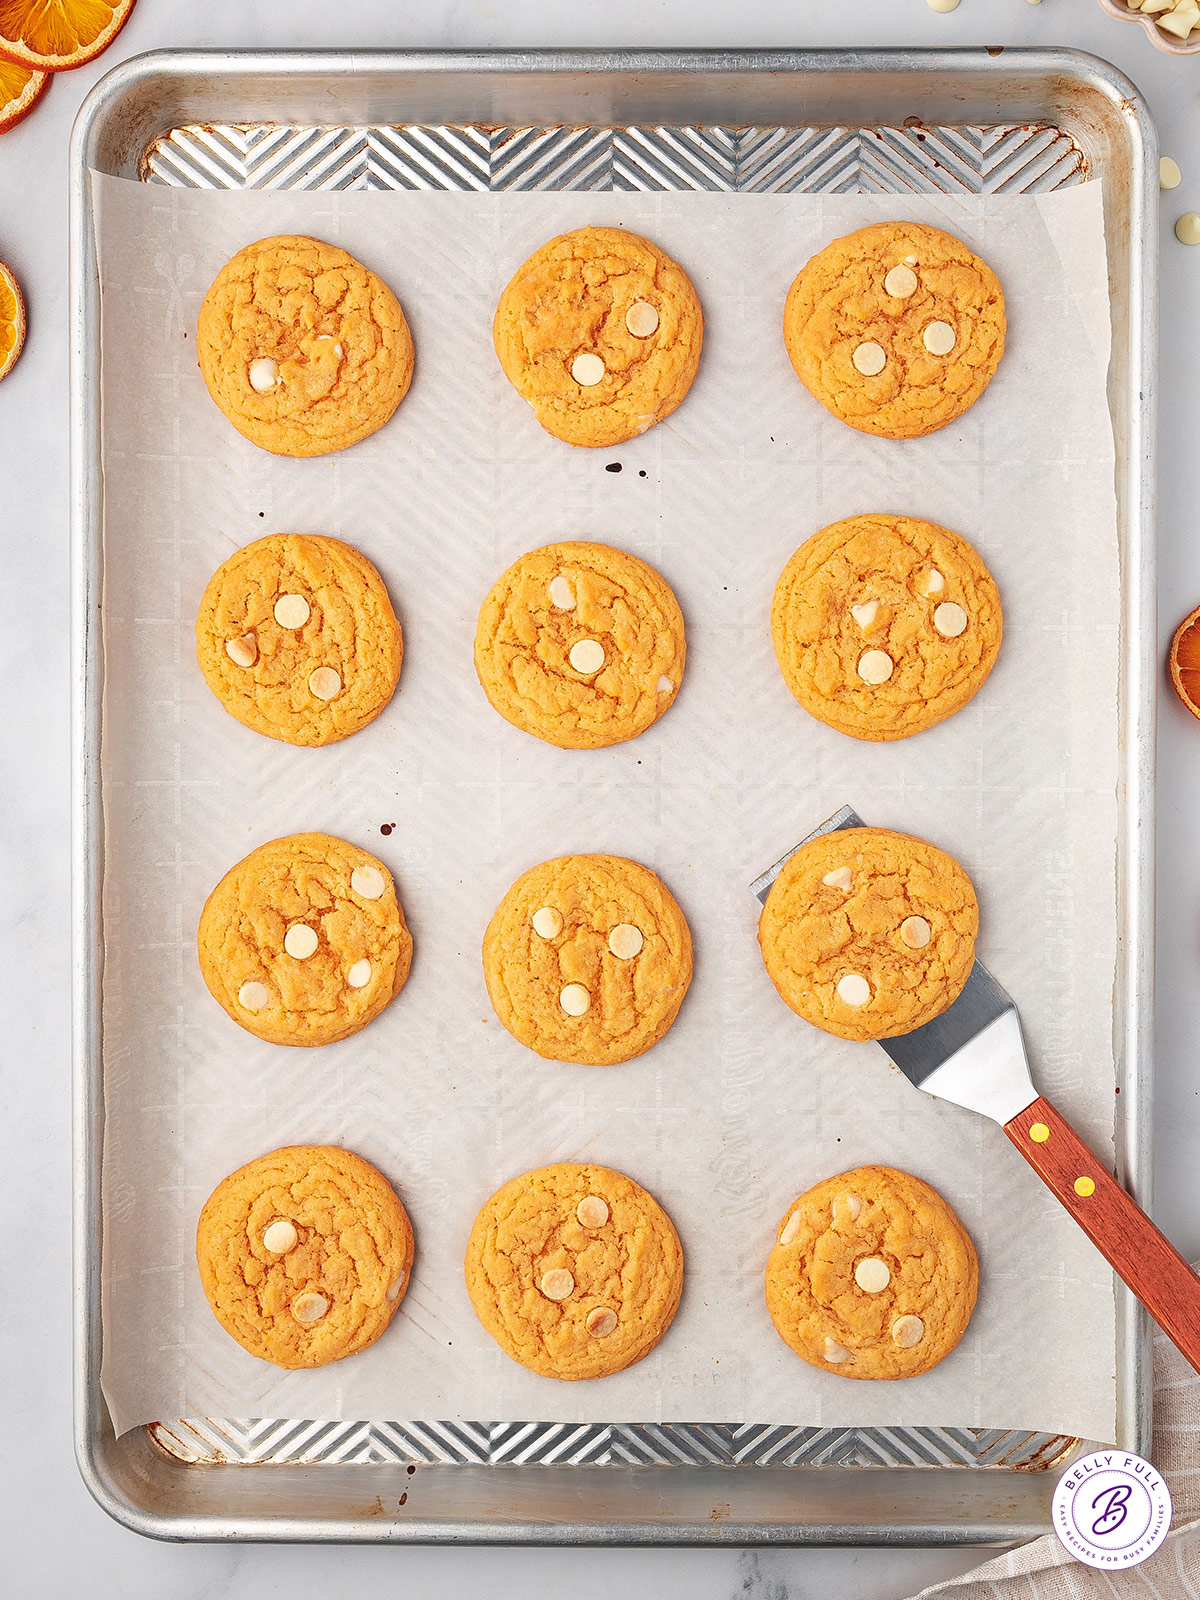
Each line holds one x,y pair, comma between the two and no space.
742,1105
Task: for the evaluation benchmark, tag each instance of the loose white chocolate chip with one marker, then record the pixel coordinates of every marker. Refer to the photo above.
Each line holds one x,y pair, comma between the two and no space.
279,1237
864,614
939,338
394,1288
641,319
907,1331
900,282
263,374
915,932
575,1000
839,878
359,975
562,595
872,1275
933,582
875,666
664,685
601,1321
300,941
242,652
836,1353
942,5
869,358
950,620
557,1283
586,656
547,922
309,1307
1187,229
253,996
1169,175
587,370
592,1211
625,941
325,683
368,882
291,611
792,1226
853,989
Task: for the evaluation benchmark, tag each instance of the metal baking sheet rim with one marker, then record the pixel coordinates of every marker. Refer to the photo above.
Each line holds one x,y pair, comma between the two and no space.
140,1485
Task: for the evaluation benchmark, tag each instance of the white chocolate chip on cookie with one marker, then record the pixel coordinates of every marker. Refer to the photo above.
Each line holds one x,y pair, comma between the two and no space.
586,656
865,613
875,666
547,922
664,685
557,1284
915,932
872,1275
263,374
562,596
242,652
625,941
950,620
641,319
575,1000
300,941
254,996
839,878
359,975
291,611
907,1331
325,683
870,358
592,1211
601,1321
939,338
368,882
900,282
279,1237
587,370
853,989
309,1307
835,1353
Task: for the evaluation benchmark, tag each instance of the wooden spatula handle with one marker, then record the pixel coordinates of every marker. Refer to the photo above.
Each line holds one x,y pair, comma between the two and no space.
1113,1221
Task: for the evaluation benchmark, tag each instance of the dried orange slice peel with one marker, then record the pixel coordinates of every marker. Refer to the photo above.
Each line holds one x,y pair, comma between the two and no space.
12,321
20,91
55,35
1185,661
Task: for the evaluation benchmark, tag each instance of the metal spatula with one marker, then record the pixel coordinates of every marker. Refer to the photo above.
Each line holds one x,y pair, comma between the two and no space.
974,1055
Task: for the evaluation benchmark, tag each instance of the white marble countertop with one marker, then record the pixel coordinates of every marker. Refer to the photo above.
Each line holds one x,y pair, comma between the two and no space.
57,1542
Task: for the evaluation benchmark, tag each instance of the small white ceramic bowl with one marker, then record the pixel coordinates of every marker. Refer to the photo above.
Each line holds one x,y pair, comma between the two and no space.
1164,41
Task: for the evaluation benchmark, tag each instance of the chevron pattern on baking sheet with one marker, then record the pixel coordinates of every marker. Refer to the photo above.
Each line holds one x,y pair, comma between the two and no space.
977,160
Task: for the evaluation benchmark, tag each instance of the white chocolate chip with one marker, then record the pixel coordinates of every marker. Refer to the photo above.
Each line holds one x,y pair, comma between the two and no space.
291,611
575,1000
601,1321
839,878
562,595
300,941
942,5
625,941
836,1353
875,666
853,989
547,922
915,932
368,882
912,260
872,1275
1169,175
279,1237
664,685
641,319
939,338
242,652
359,975
557,1284
592,1211
254,996
849,1203
907,1331
792,1226
865,614
869,358
900,282
309,1307
950,620
587,370
1187,229
1180,21
325,683
394,1288
263,374
932,583
586,656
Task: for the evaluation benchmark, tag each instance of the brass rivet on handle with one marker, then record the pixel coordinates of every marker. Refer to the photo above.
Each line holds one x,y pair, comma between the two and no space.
1085,1186
1039,1132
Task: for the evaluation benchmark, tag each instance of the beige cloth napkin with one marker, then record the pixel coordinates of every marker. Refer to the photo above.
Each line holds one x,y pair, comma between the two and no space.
1044,1571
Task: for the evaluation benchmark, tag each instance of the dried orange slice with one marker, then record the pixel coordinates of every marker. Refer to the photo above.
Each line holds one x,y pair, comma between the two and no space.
20,91
55,35
1185,661
12,321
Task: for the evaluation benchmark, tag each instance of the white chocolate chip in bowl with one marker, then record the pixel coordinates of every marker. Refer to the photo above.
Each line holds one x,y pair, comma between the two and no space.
263,374
875,666
601,1321
575,1000
839,878
557,1284
641,319
562,596
870,358
253,996
309,1307
792,1226
292,611
279,1237
368,882
592,1211
325,683
907,1331
359,975
853,989
625,941
242,652
835,1353
586,656
865,613
872,1275
900,282
950,620
587,370
300,941
939,338
547,922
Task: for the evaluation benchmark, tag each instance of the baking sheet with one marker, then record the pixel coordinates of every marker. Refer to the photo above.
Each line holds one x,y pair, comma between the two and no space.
742,1105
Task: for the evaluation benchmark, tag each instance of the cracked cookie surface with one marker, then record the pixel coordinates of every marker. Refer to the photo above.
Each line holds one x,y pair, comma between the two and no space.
304,1255
303,348
574,1270
322,672
872,1275
587,959
601,332
896,329
580,645
868,933
304,941
884,625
